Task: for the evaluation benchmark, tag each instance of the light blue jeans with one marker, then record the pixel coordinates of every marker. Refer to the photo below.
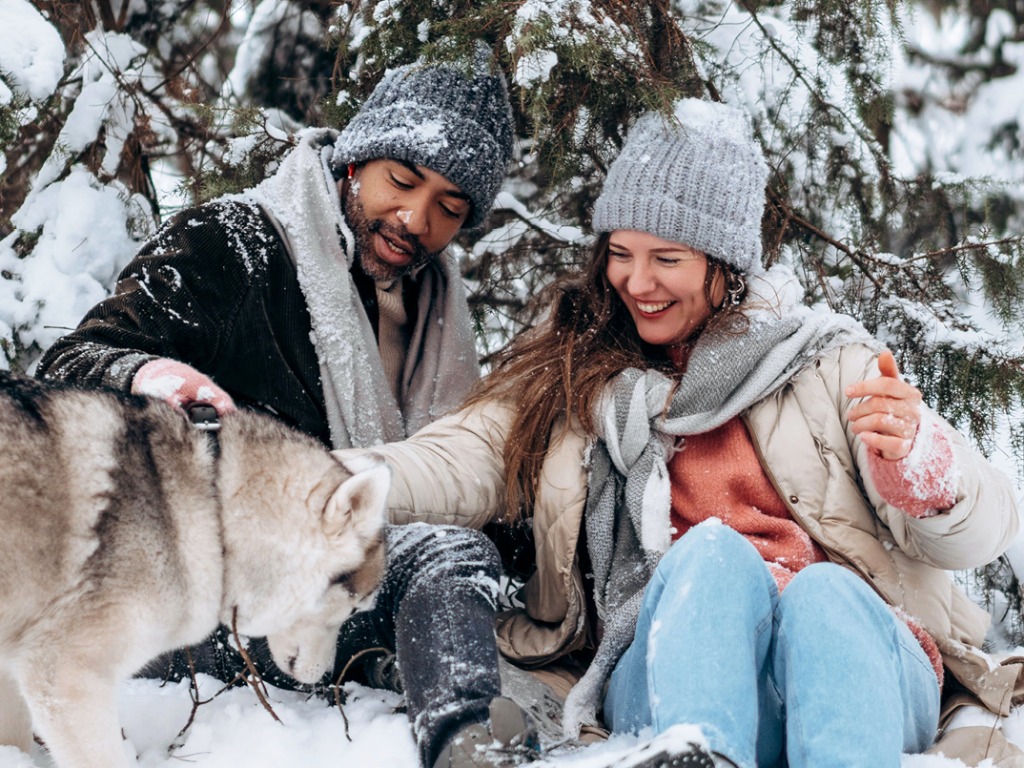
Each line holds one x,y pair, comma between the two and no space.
823,675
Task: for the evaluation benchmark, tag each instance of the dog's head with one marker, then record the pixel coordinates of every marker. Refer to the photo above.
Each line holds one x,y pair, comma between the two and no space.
328,561
352,524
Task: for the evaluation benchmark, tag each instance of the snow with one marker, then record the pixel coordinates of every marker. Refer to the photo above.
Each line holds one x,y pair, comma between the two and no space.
534,68
920,464
730,123
31,51
256,46
160,387
86,239
100,105
234,729
31,63
935,137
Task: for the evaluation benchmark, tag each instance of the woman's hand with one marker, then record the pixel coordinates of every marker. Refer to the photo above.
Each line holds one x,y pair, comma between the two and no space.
888,418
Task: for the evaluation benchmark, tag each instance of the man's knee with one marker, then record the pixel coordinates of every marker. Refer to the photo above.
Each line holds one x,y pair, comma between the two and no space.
431,551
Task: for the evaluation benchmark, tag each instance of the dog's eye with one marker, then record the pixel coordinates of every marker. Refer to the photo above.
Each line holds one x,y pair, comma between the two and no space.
341,580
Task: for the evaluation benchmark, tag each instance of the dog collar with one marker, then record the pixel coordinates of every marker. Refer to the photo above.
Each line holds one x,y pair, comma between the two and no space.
204,418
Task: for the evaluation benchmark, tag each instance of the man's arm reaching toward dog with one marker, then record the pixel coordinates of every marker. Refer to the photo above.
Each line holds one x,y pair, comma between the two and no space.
177,299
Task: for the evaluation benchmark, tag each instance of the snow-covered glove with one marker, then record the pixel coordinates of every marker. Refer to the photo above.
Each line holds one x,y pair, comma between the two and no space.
180,385
911,459
925,481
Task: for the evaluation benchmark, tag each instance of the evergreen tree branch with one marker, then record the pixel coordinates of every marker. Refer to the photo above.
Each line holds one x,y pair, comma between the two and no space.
858,257
799,74
967,247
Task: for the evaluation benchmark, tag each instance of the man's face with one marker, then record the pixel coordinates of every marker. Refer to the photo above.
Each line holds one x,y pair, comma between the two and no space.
402,215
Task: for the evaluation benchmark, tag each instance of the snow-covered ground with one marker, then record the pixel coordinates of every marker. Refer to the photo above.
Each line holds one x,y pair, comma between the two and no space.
235,730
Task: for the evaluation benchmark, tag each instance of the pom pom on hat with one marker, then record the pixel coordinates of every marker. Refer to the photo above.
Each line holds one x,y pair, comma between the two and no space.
696,178
436,116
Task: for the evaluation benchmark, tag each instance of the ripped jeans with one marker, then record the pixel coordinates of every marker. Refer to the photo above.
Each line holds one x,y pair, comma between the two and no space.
824,675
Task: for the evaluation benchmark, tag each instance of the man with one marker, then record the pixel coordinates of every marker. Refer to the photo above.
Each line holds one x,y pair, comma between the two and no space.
324,297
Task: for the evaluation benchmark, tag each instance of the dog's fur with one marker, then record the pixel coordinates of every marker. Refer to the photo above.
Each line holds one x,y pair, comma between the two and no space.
124,535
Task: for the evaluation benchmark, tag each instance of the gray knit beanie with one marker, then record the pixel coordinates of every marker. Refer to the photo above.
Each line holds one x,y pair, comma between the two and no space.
697,178
435,116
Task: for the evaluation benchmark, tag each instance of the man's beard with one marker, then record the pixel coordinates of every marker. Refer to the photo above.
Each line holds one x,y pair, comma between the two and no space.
363,231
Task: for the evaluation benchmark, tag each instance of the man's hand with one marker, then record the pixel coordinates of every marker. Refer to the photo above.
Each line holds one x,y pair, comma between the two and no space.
887,420
180,385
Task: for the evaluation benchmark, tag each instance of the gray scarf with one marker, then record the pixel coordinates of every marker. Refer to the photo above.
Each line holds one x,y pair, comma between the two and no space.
628,497
301,200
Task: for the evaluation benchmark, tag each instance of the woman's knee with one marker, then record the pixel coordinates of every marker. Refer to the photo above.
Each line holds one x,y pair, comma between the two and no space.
711,546
826,593
709,565
820,582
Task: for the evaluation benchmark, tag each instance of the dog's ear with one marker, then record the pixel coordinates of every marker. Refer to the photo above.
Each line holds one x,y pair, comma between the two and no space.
357,459
358,505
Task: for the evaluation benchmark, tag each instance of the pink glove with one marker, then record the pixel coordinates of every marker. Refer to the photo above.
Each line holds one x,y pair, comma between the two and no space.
180,385
925,481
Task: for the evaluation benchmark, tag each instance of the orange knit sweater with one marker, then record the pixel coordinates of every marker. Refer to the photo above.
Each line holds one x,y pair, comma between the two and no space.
718,474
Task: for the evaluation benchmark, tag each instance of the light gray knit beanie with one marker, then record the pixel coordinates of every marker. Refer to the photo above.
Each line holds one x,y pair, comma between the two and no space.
697,178
435,116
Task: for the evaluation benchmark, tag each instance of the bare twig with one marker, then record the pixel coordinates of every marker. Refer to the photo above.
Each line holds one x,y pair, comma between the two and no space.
191,59
254,679
858,257
193,692
341,677
798,72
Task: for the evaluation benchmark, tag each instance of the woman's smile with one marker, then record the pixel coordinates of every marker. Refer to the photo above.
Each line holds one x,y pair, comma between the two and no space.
653,309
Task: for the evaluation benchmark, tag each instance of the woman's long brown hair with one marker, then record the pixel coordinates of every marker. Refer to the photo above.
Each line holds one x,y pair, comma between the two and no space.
555,372
558,369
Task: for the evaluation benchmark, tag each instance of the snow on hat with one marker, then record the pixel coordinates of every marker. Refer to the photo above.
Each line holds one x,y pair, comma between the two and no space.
697,178
435,116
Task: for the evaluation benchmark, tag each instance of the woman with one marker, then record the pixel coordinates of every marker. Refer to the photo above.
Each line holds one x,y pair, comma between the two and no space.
742,517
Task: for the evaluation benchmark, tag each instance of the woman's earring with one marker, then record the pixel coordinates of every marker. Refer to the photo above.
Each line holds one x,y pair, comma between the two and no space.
737,287
351,170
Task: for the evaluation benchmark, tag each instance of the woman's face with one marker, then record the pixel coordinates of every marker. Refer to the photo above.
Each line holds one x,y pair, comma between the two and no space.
662,285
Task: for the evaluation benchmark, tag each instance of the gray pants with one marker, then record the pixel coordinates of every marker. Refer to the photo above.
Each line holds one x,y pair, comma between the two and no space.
435,610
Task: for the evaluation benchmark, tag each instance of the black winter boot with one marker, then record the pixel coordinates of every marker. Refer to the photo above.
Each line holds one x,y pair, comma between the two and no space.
510,740
670,749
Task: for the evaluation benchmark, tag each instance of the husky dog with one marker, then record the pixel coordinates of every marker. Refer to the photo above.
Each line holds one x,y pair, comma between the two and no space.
126,533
